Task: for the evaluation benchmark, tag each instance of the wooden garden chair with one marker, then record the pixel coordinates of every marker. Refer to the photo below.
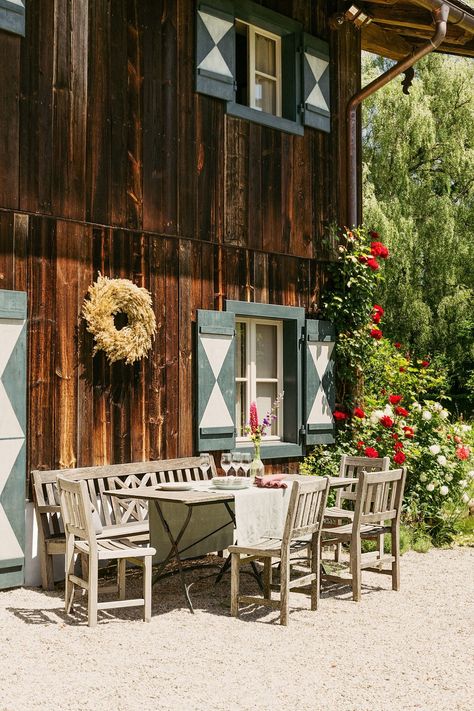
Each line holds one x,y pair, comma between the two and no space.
343,509
377,512
81,539
302,531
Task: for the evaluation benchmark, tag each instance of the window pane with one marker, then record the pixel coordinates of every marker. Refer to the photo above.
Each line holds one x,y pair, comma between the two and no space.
266,351
241,408
241,351
265,55
266,395
265,95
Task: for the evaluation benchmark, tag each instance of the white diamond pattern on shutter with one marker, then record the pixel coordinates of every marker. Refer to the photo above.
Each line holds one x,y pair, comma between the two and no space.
316,84
318,68
215,50
12,436
319,382
215,380
216,413
217,28
321,412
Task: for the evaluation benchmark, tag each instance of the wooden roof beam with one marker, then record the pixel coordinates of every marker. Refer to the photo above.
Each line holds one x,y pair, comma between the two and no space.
387,44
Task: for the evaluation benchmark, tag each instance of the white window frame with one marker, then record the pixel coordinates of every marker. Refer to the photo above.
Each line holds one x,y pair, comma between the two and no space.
253,30
251,371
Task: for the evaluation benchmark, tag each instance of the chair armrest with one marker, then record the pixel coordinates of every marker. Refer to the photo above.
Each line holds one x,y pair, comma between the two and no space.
48,509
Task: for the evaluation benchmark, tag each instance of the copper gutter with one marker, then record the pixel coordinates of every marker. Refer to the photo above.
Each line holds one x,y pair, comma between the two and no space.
440,16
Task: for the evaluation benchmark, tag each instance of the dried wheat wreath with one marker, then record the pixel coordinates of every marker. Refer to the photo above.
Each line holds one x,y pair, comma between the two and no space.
107,299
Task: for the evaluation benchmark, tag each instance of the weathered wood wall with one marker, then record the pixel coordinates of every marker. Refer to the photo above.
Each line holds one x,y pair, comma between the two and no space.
111,162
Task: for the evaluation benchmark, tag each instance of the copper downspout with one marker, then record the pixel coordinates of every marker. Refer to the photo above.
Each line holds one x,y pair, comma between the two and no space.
440,15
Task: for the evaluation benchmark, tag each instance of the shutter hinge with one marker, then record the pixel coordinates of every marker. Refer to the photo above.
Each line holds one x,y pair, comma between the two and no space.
303,431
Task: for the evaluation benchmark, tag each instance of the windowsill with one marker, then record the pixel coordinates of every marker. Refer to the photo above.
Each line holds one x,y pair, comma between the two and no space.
283,124
273,450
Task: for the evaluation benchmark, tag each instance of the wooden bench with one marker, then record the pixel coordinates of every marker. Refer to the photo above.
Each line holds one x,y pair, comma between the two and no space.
119,517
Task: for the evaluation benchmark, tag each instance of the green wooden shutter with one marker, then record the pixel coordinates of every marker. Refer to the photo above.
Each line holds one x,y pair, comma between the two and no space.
316,94
12,16
215,50
319,385
12,436
215,380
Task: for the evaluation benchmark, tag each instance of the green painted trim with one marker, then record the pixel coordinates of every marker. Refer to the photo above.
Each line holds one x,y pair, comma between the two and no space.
276,450
316,46
265,18
13,304
217,330
215,77
11,563
320,331
13,577
224,9
278,122
12,21
214,431
246,308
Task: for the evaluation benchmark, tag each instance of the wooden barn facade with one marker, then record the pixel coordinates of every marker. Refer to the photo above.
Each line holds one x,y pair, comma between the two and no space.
199,150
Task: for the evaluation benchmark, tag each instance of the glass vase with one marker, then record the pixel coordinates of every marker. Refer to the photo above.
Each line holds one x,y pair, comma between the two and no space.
257,467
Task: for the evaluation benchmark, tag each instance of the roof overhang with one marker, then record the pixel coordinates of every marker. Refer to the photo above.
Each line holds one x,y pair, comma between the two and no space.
399,27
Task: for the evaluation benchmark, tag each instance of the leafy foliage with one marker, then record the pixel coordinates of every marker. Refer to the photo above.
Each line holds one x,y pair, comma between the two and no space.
419,189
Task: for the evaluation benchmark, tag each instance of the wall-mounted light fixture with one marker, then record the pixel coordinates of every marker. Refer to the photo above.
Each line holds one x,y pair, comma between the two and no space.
354,14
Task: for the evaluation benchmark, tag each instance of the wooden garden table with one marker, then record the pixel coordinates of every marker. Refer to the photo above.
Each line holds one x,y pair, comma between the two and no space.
204,497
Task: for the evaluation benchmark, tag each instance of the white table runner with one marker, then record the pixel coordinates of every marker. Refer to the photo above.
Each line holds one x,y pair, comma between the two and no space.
258,512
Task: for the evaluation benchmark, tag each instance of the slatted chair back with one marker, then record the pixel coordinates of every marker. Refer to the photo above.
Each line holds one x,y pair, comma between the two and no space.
380,497
76,509
306,508
113,511
352,467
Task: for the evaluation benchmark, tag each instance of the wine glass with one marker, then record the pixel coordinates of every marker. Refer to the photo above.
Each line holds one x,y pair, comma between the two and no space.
226,462
246,462
236,461
205,464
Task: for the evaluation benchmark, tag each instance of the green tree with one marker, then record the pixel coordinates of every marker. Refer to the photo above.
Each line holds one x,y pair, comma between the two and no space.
419,193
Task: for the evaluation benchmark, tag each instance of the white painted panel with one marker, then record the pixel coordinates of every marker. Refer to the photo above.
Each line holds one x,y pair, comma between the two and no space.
216,349
10,330
216,26
216,413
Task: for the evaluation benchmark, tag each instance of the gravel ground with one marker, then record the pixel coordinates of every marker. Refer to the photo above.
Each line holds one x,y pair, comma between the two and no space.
390,652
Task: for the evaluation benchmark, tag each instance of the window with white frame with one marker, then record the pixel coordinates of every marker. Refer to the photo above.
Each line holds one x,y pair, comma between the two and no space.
258,372
258,68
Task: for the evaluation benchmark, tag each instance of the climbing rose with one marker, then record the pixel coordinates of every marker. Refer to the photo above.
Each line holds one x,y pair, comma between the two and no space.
409,432
379,309
374,234
463,452
399,458
444,490
457,439
338,415
371,452
360,444
397,345
402,369
376,333
362,258
425,363
359,413
434,449
376,317
395,399
398,445
386,421
373,264
401,411
394,435
379,250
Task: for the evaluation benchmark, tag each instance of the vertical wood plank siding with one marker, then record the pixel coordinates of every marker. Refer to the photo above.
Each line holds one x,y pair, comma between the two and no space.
111,162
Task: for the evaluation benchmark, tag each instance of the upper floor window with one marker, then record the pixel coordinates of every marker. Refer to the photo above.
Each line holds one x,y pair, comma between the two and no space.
258,68
262,65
